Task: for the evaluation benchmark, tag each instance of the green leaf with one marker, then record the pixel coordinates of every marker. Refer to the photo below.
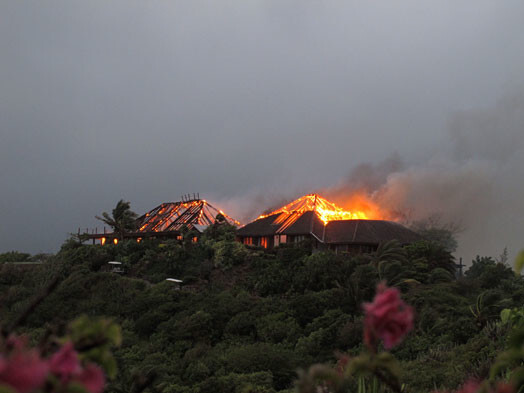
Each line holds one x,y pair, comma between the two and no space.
114,334
386,360
409,281
504,315
519,262
108,362
75,387
506,360
516,338
6,389
360,365
517,378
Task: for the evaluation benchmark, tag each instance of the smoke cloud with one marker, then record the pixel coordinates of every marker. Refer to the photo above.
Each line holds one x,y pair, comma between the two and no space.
474,180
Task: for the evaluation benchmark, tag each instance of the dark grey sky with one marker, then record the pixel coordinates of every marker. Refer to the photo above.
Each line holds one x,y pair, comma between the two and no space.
253,100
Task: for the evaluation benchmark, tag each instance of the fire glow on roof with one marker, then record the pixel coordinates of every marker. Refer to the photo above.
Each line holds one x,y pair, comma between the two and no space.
173,216
325,210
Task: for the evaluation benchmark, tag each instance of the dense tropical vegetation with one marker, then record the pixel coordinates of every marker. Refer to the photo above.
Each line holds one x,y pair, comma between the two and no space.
246,319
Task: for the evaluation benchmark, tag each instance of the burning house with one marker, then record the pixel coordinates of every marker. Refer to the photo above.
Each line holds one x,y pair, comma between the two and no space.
326,225
169,220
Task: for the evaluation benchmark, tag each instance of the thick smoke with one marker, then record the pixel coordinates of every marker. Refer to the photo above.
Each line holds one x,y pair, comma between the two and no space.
474,181
249,206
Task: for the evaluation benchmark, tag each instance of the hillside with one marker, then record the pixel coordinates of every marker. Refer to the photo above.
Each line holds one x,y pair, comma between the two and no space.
246,319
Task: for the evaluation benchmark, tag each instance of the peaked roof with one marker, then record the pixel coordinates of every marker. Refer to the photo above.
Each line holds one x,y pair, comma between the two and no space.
172,216
327,222
296,224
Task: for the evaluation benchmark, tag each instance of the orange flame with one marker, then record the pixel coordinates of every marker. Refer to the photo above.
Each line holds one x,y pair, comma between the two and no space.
361,208
362,204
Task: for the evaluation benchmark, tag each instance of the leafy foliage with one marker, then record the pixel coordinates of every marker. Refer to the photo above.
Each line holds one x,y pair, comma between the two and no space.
246,319
122,218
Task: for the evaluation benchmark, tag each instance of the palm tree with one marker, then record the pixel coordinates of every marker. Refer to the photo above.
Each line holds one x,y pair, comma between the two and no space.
391,262
122,218
388,252
488,306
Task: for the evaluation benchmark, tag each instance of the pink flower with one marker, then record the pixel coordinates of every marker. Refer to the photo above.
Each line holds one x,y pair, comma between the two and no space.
387,318
64,363
92,378
470,386
23,369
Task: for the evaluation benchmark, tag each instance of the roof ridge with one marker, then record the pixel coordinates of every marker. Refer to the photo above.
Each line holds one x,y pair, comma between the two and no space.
355,231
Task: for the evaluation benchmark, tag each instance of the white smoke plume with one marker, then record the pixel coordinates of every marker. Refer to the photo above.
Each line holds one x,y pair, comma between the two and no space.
475,180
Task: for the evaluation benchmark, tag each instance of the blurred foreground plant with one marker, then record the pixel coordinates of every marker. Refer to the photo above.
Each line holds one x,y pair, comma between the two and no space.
76,362
389,319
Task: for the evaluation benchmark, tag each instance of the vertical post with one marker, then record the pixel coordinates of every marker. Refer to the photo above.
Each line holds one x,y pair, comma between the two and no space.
459,273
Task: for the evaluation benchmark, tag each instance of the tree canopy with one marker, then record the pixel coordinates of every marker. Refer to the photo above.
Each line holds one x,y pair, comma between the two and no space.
245,319
122,218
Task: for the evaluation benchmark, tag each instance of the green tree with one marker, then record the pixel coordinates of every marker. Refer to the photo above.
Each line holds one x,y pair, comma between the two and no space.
387,253
122,218
488,272
433,254
14,256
